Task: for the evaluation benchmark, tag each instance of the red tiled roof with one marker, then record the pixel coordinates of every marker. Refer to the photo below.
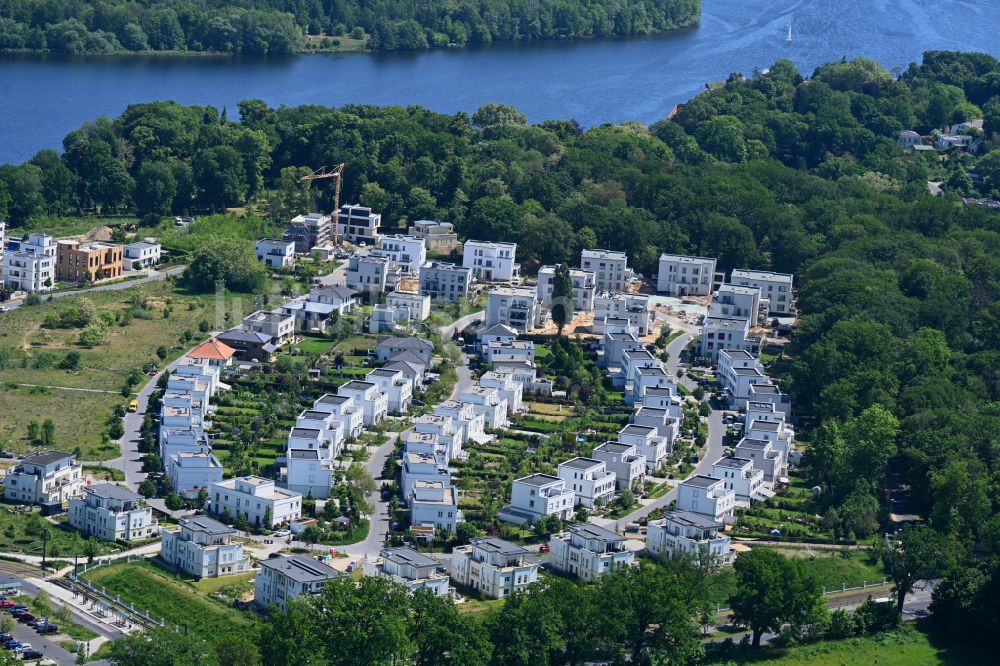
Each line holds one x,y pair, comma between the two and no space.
213,349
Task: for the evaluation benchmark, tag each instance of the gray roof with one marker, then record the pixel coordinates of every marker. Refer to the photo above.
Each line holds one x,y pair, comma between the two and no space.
748,443
498,329
407,357
304,454
313,415
206,525
633,429
383,372
495,545
112,491
408,556
592,531
243,335
357,385
737,353
732,462
301,568
581,463
614,447
45,457
342,293
693,519
747,371
701,481
331,399
410,342
655,412
768,389
538,480
305,433
723,322
767,426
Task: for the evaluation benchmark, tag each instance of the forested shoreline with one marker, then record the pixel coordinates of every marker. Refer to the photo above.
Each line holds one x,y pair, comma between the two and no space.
284,26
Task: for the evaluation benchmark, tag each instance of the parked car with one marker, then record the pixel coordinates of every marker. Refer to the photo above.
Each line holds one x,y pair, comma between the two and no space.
48,628
544,548
6,603
282,533
12,644
6,636
31,654
25,617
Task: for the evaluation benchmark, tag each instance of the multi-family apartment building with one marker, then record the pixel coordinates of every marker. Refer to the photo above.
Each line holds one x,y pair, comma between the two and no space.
190,472
397,388
203,548
515,307
256,498
718,333
45,477
688,534
282,578
308,231
538,495
276,253
143,254
359,225
407,567
491,262
707,496
624,461
112,513
635,308
680,275
493,567
278,326
775,289
610,269
30,265
435,504
443,281
736,302
590,480
372,274
438,236
344,411
489,402
366,395
410,252
584,288
588,551
648,443
86,262
740,476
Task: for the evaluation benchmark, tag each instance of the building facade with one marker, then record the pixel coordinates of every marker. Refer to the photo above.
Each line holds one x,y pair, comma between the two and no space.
31,265
285,577
493,567
588,551
410,252
48,476
610,269
88,262
443,281
681,275
112,513
257,499
491,262
203,548
359,225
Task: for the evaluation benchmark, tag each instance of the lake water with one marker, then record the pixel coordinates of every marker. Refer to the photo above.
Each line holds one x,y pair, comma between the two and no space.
42,98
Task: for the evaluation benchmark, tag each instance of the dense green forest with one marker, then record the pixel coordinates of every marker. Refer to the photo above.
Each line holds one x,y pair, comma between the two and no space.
895,366
280,26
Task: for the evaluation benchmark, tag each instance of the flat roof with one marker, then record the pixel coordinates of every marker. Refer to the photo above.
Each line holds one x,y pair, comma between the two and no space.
701,481
761,275
206,525
634,429
685,258
581,463
112,491
45,457
592,531
723,322
301,568
495,545
692,520
408,556
538,480
767,426
732,462
614,447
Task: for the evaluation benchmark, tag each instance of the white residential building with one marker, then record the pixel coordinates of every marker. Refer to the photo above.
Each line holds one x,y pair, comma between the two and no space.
584,288
510,389
370,274
515,307
538,495
588,551
590,479
203,548
190,472
738,371
413,570
707,496
646,379
443,281
438,236
949,141
909,139
689,534
359,225
718,333
279,327
285,577
648,443
610,269
368,397
143,254
469,423
175,440
341,298
516,350
410,252
112,513
775,288
417,306
435,504
489,402
344,411
493,567
308,473
31,265
660,418
624,461
616,305
254,497
443,428
772,394
496,333
397,388
765,456
276,253
740,476
422,466
389,347
48,476
733,301
613,345
681,275
491,262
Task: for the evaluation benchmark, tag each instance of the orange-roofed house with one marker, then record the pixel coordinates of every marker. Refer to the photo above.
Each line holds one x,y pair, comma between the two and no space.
217,353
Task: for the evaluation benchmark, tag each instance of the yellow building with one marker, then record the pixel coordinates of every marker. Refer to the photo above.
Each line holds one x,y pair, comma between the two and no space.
76,262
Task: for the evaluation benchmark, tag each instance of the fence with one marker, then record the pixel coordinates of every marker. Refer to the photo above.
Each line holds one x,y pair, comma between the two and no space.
843,588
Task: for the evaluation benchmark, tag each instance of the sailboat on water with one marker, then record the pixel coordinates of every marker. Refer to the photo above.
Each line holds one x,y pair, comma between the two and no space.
788,39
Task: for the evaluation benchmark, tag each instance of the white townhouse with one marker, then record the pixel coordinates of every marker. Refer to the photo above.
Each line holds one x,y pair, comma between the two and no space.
613,347
396,387
435,504
588,551
371,274
590,480
410,365
646,379
417,306
442,281
718,333
610,269
279,327
44,477
680,275
413,570
342,299
491,262
493,567
30,265
317,429
282,578
740,476
617,305
359,225
254,497
143,253
410,252
538,495
426,442
180,440
444,429
366,395
422,466
489,402
344,411
510,389
203,548
656,417
769,393
664,397
515,350
737,302
112,513
190,472
496,333
584,288
765,456
307,472
624,461
780,434
469,423
275,253
648,443
514,307
707,496
689,534
739,370
775,288
631,361
762,411
389,347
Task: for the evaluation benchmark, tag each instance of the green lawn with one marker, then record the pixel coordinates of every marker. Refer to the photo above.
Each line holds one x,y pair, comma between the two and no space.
908,646
175,600
18,534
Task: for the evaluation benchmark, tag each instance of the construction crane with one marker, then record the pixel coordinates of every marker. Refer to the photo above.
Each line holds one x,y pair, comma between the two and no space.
322,173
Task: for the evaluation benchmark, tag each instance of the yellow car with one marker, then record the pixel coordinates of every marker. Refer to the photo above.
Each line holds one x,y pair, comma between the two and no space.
133,406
